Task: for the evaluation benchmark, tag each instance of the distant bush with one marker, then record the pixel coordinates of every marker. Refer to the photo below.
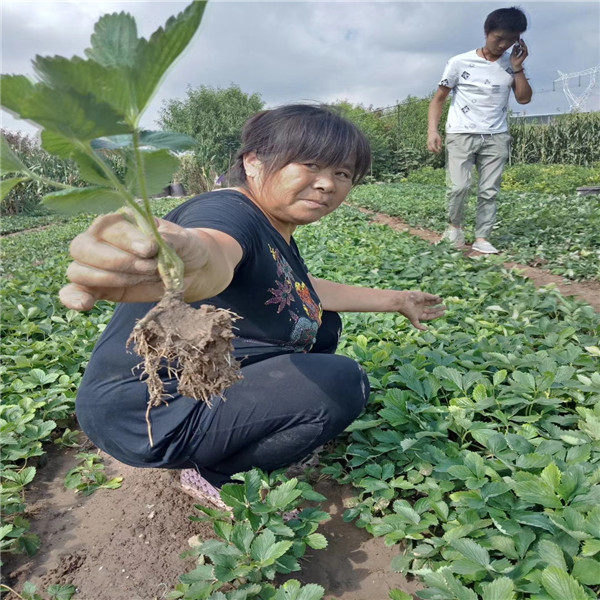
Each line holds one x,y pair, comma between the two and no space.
379,131
214,117
196,175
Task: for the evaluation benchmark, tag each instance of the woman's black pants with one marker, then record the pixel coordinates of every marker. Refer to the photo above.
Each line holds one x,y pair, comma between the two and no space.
284,408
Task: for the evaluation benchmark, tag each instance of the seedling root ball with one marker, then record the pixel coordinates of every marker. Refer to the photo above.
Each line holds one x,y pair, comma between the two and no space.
193,345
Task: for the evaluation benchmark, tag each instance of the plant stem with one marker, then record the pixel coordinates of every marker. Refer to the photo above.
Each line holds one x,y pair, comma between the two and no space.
3,585
170,266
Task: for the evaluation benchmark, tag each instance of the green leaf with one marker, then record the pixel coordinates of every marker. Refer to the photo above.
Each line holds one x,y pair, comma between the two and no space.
8,184
399,595
590,547
586,570
233,495
261,546
29,589
71,114
472,550
61,592
26,475
499,376
561,586
223,529
551,554
252,485
29,543
158,167
242,536
552,476
401,562
114,42
316,540
500,589
153,57
15,90
283,495
535,490
265,550
110,86
9,161
90,199
518,443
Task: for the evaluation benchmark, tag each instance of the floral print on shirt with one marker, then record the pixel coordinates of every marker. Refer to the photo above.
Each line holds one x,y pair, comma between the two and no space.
296,297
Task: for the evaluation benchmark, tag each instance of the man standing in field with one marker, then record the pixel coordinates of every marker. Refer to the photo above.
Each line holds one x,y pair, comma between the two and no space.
477,128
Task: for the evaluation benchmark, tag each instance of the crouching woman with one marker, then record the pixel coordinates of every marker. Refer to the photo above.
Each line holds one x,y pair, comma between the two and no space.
296,164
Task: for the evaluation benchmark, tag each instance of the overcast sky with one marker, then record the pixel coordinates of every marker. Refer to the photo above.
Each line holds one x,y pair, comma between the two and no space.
373,53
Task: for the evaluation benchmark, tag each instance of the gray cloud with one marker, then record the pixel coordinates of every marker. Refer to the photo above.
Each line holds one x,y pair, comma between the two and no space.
374,53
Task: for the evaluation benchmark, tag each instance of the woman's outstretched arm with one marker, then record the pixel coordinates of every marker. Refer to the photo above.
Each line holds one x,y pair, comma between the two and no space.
414,305
113,260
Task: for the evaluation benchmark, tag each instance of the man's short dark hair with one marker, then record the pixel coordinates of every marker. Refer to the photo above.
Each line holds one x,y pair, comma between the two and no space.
509,19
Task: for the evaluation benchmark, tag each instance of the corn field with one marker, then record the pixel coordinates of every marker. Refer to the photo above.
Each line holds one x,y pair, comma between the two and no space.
570,139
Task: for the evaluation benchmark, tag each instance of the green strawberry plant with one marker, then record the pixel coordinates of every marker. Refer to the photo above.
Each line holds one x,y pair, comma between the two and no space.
559,232
55,591
464,419
90,476
255,543
88,106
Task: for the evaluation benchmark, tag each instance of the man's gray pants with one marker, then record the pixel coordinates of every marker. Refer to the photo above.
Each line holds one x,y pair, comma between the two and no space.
489,152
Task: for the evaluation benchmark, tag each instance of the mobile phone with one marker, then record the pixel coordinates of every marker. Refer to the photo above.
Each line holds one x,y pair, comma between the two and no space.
518,49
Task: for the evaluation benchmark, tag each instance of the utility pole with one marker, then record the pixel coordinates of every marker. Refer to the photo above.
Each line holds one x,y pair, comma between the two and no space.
576,103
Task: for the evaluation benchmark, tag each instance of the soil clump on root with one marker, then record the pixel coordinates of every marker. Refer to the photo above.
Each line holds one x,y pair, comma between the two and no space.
194,345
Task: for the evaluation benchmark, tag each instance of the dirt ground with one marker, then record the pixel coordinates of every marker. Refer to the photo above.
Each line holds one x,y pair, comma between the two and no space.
125,544
587,291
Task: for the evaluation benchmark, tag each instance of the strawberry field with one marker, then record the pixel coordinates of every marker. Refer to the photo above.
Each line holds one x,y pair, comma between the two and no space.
559,232
477,459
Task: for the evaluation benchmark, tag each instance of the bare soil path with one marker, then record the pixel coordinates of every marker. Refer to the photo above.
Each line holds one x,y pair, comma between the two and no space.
30,230
587,291
125,544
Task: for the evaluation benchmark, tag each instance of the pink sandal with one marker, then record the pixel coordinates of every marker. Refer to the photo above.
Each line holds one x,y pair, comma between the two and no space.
193,484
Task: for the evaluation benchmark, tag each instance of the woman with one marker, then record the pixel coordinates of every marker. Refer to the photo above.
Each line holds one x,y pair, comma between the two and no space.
296,165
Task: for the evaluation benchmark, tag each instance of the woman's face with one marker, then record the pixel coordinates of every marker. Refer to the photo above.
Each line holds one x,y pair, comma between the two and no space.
300,193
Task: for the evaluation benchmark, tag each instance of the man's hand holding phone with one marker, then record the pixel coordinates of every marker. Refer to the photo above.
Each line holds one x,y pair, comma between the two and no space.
518,55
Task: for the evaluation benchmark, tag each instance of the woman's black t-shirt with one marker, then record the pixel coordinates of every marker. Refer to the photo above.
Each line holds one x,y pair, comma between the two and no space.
280,313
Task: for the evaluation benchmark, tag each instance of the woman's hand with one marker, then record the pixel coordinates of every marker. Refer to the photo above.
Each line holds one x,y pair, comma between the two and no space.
420,306
113,260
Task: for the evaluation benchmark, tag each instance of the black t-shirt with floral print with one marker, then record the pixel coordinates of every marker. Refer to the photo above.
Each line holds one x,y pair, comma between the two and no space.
270,290
280,313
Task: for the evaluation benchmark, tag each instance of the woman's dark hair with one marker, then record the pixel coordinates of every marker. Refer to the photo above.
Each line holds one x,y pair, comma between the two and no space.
301,133
509,19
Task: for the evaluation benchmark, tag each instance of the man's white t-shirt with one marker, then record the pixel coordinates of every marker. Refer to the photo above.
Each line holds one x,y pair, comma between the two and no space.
480,92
